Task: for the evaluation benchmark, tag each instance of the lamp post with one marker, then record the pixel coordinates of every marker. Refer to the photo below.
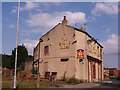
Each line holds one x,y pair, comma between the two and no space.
16,46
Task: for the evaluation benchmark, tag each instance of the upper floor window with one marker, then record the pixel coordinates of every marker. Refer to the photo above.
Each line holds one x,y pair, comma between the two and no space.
101,53
46,50
98,51
90,46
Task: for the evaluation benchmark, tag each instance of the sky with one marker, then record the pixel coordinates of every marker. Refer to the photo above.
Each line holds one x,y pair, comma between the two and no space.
36,18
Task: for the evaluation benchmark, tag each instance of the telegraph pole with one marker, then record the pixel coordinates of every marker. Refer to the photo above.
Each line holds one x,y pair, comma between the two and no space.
16,46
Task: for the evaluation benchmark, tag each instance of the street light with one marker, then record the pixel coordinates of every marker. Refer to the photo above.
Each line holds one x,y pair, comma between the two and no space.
16,46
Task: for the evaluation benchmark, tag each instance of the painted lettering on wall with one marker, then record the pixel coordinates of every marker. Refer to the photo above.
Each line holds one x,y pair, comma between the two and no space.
64,44
95,48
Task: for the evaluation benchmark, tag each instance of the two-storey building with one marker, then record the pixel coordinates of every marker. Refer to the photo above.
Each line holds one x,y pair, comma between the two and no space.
69,51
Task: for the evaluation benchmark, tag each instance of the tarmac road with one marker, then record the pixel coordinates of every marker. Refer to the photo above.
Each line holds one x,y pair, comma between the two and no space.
111,84
114,83
103,85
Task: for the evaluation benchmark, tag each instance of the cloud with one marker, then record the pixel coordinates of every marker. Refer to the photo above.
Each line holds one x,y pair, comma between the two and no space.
14,11
30,45
11,26
35,6
27,6
51,19
110,8
111,45
108,30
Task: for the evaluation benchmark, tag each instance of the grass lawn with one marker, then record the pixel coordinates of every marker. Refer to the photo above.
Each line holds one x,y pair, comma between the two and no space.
32,84
44,83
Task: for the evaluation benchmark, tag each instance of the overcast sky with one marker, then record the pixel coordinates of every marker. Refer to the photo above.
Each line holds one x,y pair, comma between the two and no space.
38,18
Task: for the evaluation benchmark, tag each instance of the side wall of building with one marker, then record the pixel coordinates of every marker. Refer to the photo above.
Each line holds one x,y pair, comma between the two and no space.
59,40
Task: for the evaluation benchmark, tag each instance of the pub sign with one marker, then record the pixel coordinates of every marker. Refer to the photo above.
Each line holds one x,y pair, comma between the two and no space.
80,53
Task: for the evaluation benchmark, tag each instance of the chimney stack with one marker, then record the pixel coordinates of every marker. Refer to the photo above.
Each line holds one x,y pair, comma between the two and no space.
64,21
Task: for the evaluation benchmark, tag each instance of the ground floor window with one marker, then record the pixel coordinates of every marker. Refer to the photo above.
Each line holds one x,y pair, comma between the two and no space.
65,59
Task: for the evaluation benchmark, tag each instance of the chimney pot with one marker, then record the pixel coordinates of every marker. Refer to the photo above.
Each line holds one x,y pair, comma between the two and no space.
64,21
81,28
64,17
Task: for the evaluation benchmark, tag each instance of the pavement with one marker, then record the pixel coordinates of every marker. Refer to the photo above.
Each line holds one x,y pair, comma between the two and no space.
82,85
109,84
103,84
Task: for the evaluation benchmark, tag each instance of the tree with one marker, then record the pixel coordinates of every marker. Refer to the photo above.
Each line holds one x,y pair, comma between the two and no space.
22,57
6,61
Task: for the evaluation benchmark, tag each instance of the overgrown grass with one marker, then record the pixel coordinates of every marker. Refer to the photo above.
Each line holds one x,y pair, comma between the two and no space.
29,84
6,77
74,81
64,77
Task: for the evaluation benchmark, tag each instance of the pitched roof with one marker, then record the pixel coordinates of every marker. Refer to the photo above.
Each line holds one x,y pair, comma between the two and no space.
77,29
83,31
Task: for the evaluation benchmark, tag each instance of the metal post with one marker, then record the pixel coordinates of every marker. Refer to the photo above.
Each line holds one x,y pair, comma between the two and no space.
38,80
16,46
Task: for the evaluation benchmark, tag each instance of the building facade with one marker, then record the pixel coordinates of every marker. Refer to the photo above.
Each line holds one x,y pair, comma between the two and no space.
70,52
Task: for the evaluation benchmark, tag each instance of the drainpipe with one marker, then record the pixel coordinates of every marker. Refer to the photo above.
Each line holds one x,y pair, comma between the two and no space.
85,57
38,79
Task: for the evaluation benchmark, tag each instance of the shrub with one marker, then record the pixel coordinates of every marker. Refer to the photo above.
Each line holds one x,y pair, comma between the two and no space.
74,81
64,77
106,76
56,85
34,71
112,78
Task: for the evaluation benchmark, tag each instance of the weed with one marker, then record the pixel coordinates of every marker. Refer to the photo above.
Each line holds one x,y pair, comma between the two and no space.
74,81
64,77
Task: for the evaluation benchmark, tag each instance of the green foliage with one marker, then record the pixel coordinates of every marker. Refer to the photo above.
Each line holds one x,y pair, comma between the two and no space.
74,81
1,60
56,85
17,70
111,74
106,76
112,77
8,61
29,58
22,55
64,77
34,71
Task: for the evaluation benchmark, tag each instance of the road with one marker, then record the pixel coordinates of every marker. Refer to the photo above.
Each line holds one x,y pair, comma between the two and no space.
109,84
103,84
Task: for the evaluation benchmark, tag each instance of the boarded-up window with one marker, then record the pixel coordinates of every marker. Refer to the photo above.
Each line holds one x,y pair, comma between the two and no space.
101,53
46,50
98,51
64,59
